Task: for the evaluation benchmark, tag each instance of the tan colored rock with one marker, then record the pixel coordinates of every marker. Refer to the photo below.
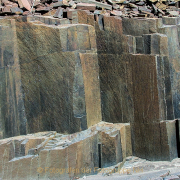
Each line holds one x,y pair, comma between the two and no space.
116,13
64,156
86,6
91,88
161,6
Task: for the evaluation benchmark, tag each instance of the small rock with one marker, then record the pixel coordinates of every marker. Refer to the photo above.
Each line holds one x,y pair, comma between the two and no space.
171,177
141,3
161,6
133,5
174,13
86,6
116,13
129,158
115,6
59,13
97,12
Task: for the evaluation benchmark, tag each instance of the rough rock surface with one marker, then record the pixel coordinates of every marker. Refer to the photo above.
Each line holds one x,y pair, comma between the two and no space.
52,88
73,73
119,8
50,155
141,169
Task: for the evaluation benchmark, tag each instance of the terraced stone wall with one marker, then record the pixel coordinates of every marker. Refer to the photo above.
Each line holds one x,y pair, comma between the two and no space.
75,72
137,81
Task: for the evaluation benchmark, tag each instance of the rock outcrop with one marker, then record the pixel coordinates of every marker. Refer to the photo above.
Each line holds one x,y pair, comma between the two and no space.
54,78
67,75
52,155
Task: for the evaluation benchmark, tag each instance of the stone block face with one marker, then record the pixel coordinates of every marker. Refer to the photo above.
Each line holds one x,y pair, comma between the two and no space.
156,44
126,143
172,141
168,134
158,140
146,105
53,76
111,150
91,86
171,32
83,38
138,27
92,36
132,44
13,120
164,88
170,20
140,49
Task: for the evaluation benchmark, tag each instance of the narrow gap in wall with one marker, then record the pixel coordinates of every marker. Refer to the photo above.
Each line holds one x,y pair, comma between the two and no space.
95,18
103,22
177,137
99,154
65,14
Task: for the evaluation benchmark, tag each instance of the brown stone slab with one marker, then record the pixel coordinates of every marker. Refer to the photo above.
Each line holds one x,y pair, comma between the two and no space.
72,14
39,9
86,6
7,9
98,4
59,13
24,3
83,37
116,13
146,102
161,6
16,10
60,3
92,88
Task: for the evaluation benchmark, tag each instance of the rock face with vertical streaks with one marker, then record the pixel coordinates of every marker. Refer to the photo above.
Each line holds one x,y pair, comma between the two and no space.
136,80
57,93
67,75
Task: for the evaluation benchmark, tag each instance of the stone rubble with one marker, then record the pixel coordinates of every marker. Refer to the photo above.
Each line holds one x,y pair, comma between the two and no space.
136,168
51,155
119,8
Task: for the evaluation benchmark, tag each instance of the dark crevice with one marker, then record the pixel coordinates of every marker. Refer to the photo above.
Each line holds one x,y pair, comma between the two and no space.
177,137
99,153
64,14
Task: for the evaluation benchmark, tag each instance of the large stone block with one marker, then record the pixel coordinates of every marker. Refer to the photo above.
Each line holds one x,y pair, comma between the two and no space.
65,156
58,86
155,141
91,86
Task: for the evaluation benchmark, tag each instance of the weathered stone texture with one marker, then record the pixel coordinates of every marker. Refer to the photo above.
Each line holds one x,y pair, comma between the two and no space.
12,115
134,88
125,70
91,86
65,156
58,85
137,88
